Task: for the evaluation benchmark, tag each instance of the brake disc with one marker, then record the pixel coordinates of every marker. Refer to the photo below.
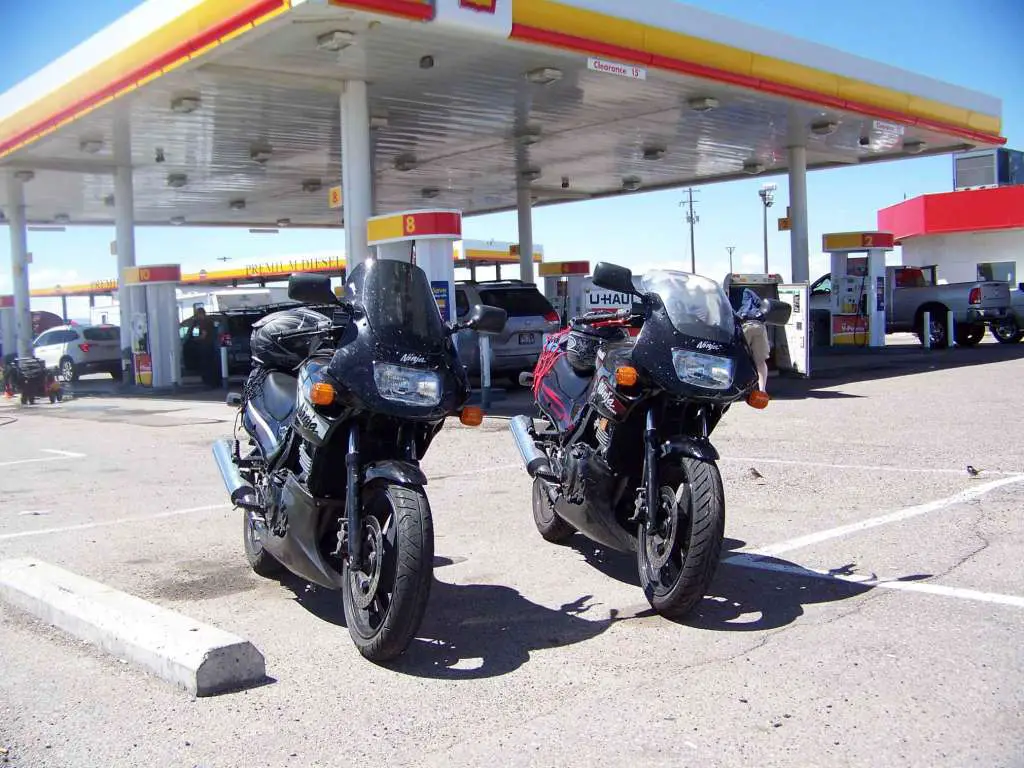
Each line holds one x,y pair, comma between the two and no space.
364,585
659,546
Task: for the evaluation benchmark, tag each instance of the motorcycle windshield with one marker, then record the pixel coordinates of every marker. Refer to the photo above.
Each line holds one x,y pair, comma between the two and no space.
697,306
399,305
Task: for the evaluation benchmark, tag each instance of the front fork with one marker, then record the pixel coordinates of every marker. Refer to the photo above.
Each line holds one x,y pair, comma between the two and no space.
651,472
353,507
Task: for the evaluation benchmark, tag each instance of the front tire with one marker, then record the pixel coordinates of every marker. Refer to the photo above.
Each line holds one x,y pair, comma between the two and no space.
385,603
677,563
551,527
970,335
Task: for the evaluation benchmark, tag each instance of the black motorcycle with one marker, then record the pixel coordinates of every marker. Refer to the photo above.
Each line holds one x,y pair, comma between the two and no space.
624,455
344,399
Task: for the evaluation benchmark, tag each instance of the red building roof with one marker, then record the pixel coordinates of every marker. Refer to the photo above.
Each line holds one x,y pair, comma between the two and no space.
974,210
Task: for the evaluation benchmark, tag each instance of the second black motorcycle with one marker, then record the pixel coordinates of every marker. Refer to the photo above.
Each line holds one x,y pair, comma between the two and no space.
344,400
623,454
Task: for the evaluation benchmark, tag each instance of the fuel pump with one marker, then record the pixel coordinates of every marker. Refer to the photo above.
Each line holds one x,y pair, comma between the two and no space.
858,286
767,287
8,336
564,283
427,239
156,343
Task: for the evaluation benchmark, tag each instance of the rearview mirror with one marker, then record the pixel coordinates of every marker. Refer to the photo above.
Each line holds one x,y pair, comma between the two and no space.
311,289
486,319
613,278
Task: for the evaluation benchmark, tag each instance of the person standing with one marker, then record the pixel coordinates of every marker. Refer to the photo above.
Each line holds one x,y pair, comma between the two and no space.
209,365
751,313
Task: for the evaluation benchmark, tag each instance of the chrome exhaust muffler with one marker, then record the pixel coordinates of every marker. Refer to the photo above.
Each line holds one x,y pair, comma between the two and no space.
533,457
237,487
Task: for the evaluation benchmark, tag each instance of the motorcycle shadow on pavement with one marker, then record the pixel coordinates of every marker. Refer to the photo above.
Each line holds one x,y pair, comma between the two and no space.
740,599
474,631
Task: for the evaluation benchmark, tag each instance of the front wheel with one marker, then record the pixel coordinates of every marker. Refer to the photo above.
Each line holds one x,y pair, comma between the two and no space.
385,601
678,561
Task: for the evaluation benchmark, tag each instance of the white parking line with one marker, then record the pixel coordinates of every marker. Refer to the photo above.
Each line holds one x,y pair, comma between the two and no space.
108,523
861,467
744,560
892,517
57,456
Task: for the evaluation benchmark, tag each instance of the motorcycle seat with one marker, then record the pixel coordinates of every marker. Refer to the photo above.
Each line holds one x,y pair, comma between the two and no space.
279,392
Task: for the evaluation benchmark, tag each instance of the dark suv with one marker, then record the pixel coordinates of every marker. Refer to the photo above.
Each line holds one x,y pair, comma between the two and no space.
518,346
234,326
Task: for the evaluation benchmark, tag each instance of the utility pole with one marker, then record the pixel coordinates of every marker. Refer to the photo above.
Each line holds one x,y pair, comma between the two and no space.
691,219
767,195
730,249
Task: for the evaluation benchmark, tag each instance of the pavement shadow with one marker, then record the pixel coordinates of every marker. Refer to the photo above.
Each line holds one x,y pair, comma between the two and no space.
470,631
741,599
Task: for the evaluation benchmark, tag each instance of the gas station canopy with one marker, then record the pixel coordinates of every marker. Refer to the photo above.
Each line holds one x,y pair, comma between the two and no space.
231,107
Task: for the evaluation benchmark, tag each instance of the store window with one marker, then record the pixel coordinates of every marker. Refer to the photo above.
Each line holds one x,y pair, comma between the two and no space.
1003,271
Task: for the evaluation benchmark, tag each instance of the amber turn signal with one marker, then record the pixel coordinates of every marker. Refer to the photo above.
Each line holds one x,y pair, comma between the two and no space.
322,393
758,399
626,376
472,416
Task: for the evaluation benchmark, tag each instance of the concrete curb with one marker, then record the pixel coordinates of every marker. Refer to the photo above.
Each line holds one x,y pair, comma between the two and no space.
200,658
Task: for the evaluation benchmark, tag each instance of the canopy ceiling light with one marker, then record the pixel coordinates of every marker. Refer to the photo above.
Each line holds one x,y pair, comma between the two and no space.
654,152
544,75
335,40
528,136
753,167
631,183
914,146
312,185
261,152
61,218
183,105
703,103
430,192
90,146
108,201
237,205
405,162
530,174
379,121
24,176
824,127
177,220
177,180
284,223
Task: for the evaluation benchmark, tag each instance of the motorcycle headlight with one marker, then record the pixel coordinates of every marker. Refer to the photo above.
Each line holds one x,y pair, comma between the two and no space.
701,370
407,385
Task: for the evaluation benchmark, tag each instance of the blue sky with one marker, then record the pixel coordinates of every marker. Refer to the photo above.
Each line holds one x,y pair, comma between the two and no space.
972,44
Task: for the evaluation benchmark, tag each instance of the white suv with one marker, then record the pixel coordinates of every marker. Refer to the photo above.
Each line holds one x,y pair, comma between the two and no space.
78,349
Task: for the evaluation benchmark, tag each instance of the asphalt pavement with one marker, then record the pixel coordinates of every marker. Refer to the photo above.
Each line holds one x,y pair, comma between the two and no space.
869,610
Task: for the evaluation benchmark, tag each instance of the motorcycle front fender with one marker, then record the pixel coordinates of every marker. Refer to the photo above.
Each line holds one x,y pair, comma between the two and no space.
699,448
395,470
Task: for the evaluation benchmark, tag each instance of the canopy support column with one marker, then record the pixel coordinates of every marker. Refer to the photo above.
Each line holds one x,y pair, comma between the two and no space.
800,267
356,170
124,221
19,264
525,211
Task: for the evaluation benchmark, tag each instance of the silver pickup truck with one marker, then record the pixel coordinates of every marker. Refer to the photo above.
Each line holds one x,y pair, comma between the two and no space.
1011,330
911,291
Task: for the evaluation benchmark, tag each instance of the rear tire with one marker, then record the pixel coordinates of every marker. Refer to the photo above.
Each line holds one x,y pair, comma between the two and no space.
262,562
384,605
939,327
1007,332
551,527
677,563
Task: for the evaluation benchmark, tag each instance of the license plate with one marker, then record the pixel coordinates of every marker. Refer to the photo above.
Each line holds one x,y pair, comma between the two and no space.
527,338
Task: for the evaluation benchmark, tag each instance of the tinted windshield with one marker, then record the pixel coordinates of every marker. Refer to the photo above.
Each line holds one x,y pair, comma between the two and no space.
398,303
517,302
696,305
